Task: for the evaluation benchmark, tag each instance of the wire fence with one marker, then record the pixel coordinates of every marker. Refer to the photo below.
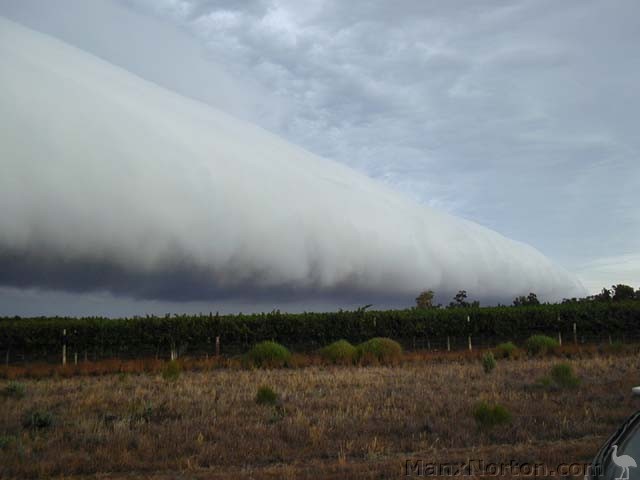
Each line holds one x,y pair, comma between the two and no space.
69,354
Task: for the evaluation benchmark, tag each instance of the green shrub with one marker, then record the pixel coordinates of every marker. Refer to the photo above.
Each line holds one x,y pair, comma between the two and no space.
540,344
488,362
14,390
340,352
563,376
490,415
379,349
171,371
277,415
266,396
269,354
544,382
6,441
506,350
615,347
38,420
140,412
560,376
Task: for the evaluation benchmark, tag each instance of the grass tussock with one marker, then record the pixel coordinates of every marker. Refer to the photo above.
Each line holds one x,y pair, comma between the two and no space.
540,345
171,371
506,350
14,390
266,396
269,355
339,353
379,351
488,362
561,376
489,415
38,420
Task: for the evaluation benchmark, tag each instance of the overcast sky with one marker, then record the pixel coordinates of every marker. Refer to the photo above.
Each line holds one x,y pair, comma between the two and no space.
521,116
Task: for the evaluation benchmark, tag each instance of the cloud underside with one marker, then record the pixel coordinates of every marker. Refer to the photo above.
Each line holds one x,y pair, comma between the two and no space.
174,281
112,183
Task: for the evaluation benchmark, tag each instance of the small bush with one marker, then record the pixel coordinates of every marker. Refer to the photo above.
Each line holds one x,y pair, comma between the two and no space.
141,412
615,348
506,350
299,360
540,345
277,415
544,382
266,396
563,376
269,354
379,349
6,441
171,371
38,420
14,390
340,352
488,416
488,362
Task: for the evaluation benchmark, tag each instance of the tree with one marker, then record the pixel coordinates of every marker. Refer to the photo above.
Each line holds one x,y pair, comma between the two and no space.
425,299
522,301
603,296
623,292
460,300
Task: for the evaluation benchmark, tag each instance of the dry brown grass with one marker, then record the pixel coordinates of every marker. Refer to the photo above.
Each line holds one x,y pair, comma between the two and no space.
332,422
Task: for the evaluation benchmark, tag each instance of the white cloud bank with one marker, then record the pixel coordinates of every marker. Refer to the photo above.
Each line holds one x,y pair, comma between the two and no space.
112,183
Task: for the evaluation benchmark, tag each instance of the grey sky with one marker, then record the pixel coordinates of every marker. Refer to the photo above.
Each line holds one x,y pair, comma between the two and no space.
520,116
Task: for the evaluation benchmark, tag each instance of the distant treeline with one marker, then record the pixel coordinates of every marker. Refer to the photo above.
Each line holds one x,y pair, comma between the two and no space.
102,336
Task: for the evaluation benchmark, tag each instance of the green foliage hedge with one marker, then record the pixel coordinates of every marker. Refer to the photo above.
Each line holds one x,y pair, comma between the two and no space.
310,330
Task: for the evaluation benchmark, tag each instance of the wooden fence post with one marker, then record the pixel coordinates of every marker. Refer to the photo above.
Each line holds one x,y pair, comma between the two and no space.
64,347
469,338
218,346
575,333
560,338
448,344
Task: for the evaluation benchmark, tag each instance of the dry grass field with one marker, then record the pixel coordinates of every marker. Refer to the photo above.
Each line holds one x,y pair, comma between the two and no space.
329,422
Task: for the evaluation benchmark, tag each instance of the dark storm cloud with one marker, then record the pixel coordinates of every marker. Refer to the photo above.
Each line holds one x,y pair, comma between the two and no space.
177,279
115,184
519,115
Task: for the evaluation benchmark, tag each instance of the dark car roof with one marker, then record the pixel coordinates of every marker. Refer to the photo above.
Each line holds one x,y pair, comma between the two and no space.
602,455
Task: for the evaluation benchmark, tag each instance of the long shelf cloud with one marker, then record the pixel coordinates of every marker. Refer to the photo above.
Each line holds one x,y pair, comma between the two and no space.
112,183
